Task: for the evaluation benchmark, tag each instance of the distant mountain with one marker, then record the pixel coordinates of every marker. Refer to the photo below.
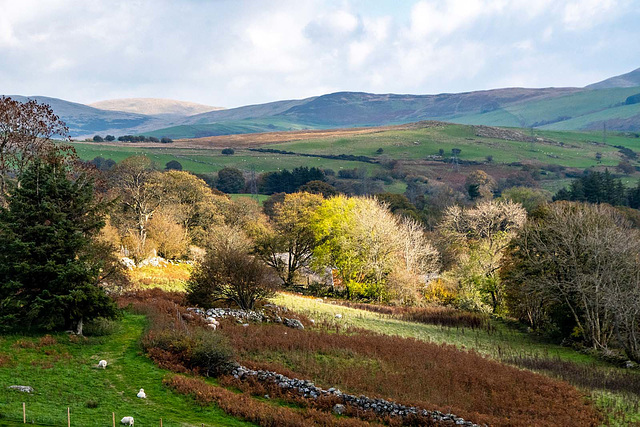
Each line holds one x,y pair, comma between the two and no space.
84,120
614,103
154,106
631,79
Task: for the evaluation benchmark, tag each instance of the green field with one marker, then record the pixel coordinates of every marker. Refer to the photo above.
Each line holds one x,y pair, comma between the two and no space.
412,147
66,375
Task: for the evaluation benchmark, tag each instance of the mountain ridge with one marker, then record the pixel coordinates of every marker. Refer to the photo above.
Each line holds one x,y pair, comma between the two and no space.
592,107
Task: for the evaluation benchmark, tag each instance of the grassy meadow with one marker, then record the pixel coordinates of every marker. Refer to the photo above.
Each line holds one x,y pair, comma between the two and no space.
63,371
412,148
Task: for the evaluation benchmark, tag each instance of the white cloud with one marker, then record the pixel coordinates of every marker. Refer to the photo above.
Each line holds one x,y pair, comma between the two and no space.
583,14
231,53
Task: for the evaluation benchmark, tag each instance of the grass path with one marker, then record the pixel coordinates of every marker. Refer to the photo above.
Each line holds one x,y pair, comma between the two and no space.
65,374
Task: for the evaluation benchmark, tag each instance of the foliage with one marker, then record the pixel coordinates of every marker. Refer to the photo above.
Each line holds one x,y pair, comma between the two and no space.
365,244
480,185
412,372
230,180
51,265
531,199
173,165
26,132
479,237
228,151
595,187
326,190
230,274
288,181
581,261
290,244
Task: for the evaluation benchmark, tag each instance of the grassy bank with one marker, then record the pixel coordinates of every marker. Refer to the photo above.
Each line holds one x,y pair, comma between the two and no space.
63,374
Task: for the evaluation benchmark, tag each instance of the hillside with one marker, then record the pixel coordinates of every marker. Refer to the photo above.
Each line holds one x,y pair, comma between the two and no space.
631,79
84,120
590,108
154,106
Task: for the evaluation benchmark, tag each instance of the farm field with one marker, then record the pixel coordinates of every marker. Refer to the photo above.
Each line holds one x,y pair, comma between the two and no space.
64,374
413,146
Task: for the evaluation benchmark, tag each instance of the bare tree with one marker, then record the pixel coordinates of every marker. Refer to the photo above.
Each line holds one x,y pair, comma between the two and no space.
479,236
230,274
585,258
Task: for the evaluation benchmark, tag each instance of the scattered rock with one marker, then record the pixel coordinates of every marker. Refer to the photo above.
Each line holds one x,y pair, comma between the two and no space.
338,409
128,263
22,388
293,323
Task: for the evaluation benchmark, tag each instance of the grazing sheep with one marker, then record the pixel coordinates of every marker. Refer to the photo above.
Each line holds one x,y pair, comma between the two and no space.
102,364
141,394
127,421
338,316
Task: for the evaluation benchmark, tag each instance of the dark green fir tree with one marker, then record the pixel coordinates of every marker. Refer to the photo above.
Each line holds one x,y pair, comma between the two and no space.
50,263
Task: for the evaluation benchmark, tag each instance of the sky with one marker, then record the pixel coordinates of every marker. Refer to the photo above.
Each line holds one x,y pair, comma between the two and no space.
230,53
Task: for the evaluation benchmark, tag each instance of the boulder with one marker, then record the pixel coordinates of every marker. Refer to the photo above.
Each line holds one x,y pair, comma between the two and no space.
338,409
293,323
22,388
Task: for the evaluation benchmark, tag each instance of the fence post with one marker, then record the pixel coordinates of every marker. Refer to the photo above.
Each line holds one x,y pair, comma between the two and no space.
160,422
113,415
68,417
24,413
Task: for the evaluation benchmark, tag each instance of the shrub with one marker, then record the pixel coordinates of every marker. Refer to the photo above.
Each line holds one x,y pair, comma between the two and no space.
228,151
211,353
413,372
230,274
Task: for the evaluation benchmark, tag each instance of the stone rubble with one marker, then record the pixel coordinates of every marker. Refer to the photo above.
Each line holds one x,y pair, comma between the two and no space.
212,315
380,406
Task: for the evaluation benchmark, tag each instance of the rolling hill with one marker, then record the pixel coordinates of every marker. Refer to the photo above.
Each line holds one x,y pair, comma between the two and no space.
610,103
154,106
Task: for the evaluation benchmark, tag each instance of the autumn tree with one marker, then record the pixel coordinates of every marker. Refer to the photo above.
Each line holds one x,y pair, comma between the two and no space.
26,133
582,260
480,185
366,244
136,183
289,244
228,273
479,236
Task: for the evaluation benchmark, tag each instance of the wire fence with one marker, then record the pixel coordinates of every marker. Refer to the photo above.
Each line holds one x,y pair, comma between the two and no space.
21,416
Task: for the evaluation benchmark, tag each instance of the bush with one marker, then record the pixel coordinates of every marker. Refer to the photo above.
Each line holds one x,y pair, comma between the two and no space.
230,274
211,354
228,151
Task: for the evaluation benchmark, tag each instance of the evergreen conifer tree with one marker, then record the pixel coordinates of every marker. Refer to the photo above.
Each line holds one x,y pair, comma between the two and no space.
50,268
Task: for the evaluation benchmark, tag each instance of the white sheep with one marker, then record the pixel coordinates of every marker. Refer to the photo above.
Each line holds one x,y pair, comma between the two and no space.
141,394
127,421
102,364
338,316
